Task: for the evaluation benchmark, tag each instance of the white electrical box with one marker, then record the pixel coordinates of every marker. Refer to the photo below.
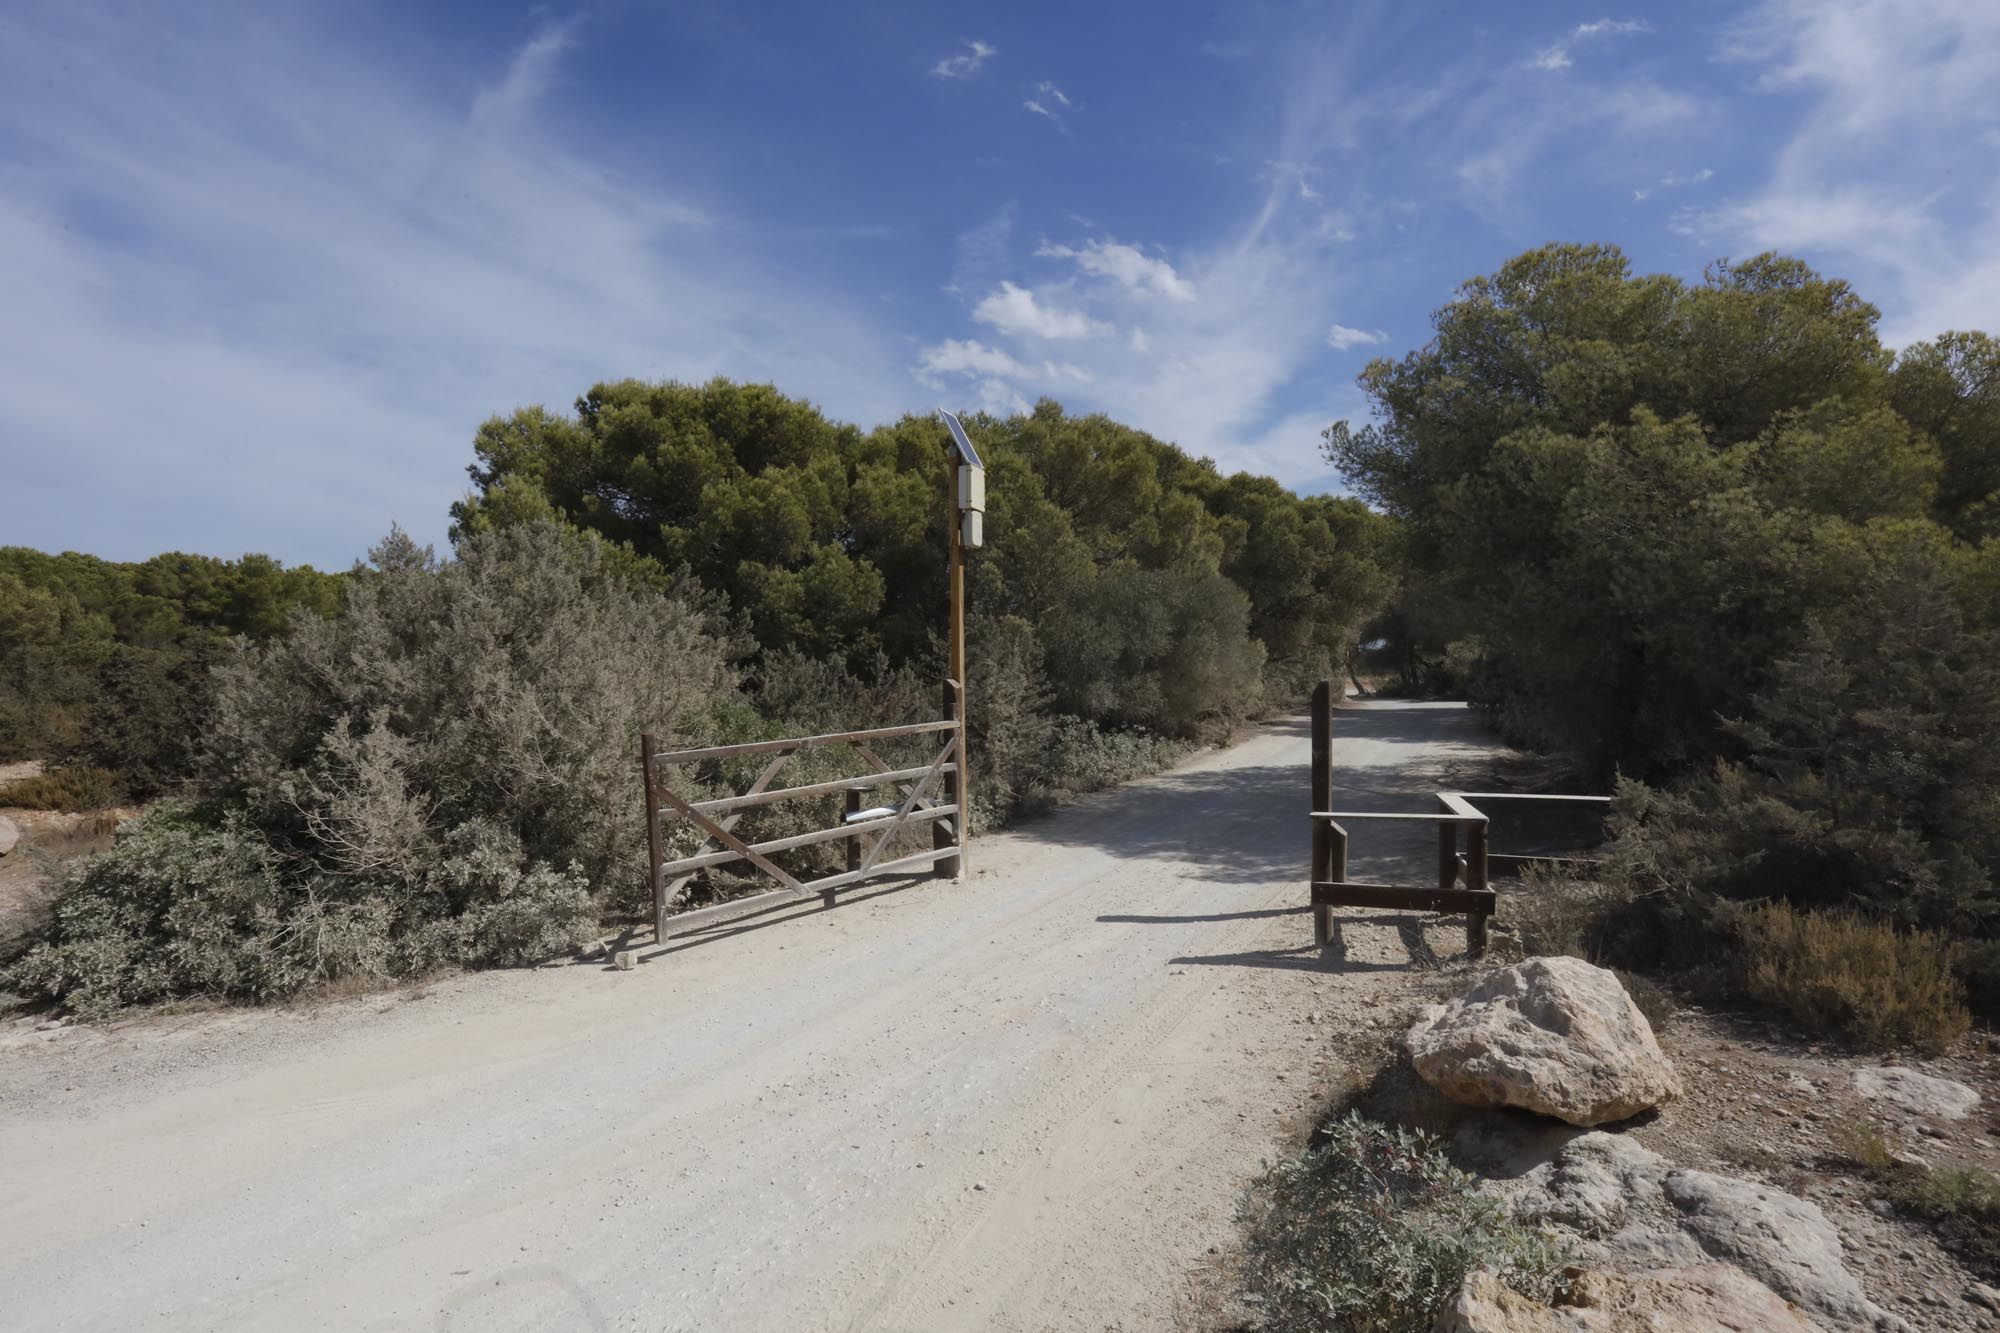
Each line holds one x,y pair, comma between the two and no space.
971,487
972,528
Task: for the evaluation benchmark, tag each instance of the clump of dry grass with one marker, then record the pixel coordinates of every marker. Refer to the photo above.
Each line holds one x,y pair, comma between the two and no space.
1845,974
67,789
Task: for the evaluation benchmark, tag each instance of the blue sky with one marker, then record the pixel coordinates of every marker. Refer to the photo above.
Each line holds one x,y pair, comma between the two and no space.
264,268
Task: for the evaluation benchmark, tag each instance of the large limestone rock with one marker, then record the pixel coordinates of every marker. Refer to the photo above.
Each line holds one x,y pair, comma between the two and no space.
1627,1207
1916,1094
1551,1035
1707,1298
1785,1241
10,833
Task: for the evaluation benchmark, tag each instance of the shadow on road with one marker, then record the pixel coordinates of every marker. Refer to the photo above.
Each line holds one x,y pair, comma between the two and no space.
1247,824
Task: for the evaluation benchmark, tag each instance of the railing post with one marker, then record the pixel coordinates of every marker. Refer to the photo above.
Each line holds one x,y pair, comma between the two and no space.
1447,848
852,806
957,791
1476,877
654,860
1322,799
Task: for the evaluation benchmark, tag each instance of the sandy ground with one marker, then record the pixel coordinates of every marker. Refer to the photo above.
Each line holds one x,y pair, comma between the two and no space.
1026,1101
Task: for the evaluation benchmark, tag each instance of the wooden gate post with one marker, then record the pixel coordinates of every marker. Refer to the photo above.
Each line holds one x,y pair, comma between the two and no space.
1476,877
1322,799
957,791
653,861
1447,848
850,807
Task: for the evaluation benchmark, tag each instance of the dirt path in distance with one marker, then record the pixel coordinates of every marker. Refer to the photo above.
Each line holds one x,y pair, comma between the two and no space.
1028,1101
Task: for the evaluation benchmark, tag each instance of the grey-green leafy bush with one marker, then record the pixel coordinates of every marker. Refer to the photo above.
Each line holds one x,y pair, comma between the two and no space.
1372,1231
443,774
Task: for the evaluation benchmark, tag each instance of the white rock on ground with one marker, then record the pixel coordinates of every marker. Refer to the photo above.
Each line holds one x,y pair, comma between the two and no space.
1627,1206
1916,1094
1706,1298
1551,1035
10,833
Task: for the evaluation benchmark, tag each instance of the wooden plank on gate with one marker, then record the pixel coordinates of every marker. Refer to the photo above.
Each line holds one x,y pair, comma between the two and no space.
831,738
728,839
669,892
774,898
917,793
831,785
860,828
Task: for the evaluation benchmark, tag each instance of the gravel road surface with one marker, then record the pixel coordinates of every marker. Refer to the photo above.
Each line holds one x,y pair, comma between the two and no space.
1025,1101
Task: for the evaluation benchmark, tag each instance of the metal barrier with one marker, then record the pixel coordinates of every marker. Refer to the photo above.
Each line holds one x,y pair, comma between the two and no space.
1475,866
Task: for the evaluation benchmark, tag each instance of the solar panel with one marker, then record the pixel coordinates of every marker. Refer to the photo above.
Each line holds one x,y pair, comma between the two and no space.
958,437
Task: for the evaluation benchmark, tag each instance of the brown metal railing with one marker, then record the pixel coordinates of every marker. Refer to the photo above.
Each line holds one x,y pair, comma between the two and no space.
1476,865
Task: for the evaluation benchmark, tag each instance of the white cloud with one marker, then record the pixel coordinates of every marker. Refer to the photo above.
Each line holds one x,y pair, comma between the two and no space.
1040,110
1895,94
1610,27
1300,174
1674,181
966,356
1140,342
1017,310
1047,89
966,65
528,78
1558,56
1342,337
319,244
1125,264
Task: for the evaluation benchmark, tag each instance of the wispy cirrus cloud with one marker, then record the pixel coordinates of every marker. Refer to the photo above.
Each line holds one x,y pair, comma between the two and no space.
967,63
1880,174
312,273
1558,56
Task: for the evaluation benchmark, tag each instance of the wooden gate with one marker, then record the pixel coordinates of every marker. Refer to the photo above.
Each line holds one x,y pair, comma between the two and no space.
1464,879
927,794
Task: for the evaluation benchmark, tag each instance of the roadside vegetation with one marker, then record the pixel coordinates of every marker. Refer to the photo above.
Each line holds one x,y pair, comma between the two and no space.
105,668
1711,541
431,762
1716,542
1373,1228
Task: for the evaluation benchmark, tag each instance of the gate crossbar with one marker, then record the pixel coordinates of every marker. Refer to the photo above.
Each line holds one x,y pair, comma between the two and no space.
716,819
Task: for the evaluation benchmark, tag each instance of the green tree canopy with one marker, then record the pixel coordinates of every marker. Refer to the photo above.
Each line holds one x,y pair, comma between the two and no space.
1634,493
1141,584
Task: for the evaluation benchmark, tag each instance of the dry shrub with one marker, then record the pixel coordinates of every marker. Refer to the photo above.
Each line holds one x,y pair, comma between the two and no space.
68,789
442,775
1559,914
1839,973
1372,1231
1860,1143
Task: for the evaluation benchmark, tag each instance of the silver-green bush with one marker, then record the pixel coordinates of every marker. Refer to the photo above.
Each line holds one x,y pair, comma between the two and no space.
443,774
1372,1230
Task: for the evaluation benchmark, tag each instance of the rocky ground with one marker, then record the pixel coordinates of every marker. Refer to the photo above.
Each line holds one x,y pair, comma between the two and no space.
1767,1186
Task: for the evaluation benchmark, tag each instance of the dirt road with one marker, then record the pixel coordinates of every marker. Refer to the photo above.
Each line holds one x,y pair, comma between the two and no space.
1026,1101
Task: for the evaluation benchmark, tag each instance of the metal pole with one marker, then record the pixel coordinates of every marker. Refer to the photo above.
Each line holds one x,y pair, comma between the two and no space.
963,794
